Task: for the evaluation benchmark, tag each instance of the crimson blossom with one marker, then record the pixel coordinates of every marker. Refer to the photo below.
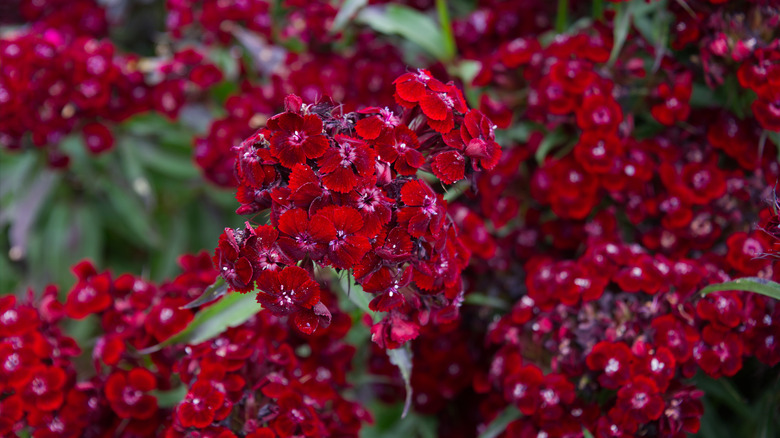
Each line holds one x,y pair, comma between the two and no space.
343,193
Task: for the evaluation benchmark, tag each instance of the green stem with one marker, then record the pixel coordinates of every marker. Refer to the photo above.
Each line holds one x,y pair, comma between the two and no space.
446,28
561,17
598,10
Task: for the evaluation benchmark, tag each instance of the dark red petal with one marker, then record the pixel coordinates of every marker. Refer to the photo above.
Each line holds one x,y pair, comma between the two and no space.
434,107
411,90
315,146
145,408
306,321
300,175
290,122
449,167
293,222
244,270
414,192
370,127
141,379
312,124
442,126
114,386
287,154
321,229
386,302
342,180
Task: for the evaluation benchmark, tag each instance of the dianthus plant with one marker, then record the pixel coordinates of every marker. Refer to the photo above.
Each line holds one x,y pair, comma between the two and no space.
356,192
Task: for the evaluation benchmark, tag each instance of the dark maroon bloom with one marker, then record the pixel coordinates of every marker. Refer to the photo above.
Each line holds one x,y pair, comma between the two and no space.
638,401
614,361
659,366
302,236
424,209
202,406
296,138
97,137
91,294
167,318
556,392
522,388
676,335
597,152
745,251
394,331
675,106
449,166
373,126
127,393
10,412
348,246
343,165
287,290
45,388
599,113
719,353
233,258
269,254
399,147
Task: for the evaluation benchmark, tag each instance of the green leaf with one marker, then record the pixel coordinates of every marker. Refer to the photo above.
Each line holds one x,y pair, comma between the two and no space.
131,213
225,61
58,228
16,171
561,16
446,28
410,24
170,398
622,26
478,299
216,290
232,310
402,358
500,423
174,165
597,11
386,424
586,433
775,138
456,190
354,292
723,391
703,97
164,261
90,233
757,285
346,12
549,142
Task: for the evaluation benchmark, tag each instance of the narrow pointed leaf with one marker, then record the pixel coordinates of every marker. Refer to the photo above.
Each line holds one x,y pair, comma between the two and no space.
499,424
216,290
232,310
757,285
402,358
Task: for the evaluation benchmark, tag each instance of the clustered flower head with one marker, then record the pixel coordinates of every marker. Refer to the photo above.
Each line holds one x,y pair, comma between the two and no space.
342,192
62,76
606,326
249,381
556,277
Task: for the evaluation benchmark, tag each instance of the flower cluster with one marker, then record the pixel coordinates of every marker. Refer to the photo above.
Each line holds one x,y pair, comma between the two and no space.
343,193
58,78
605,326
251,374
310,75
553,284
